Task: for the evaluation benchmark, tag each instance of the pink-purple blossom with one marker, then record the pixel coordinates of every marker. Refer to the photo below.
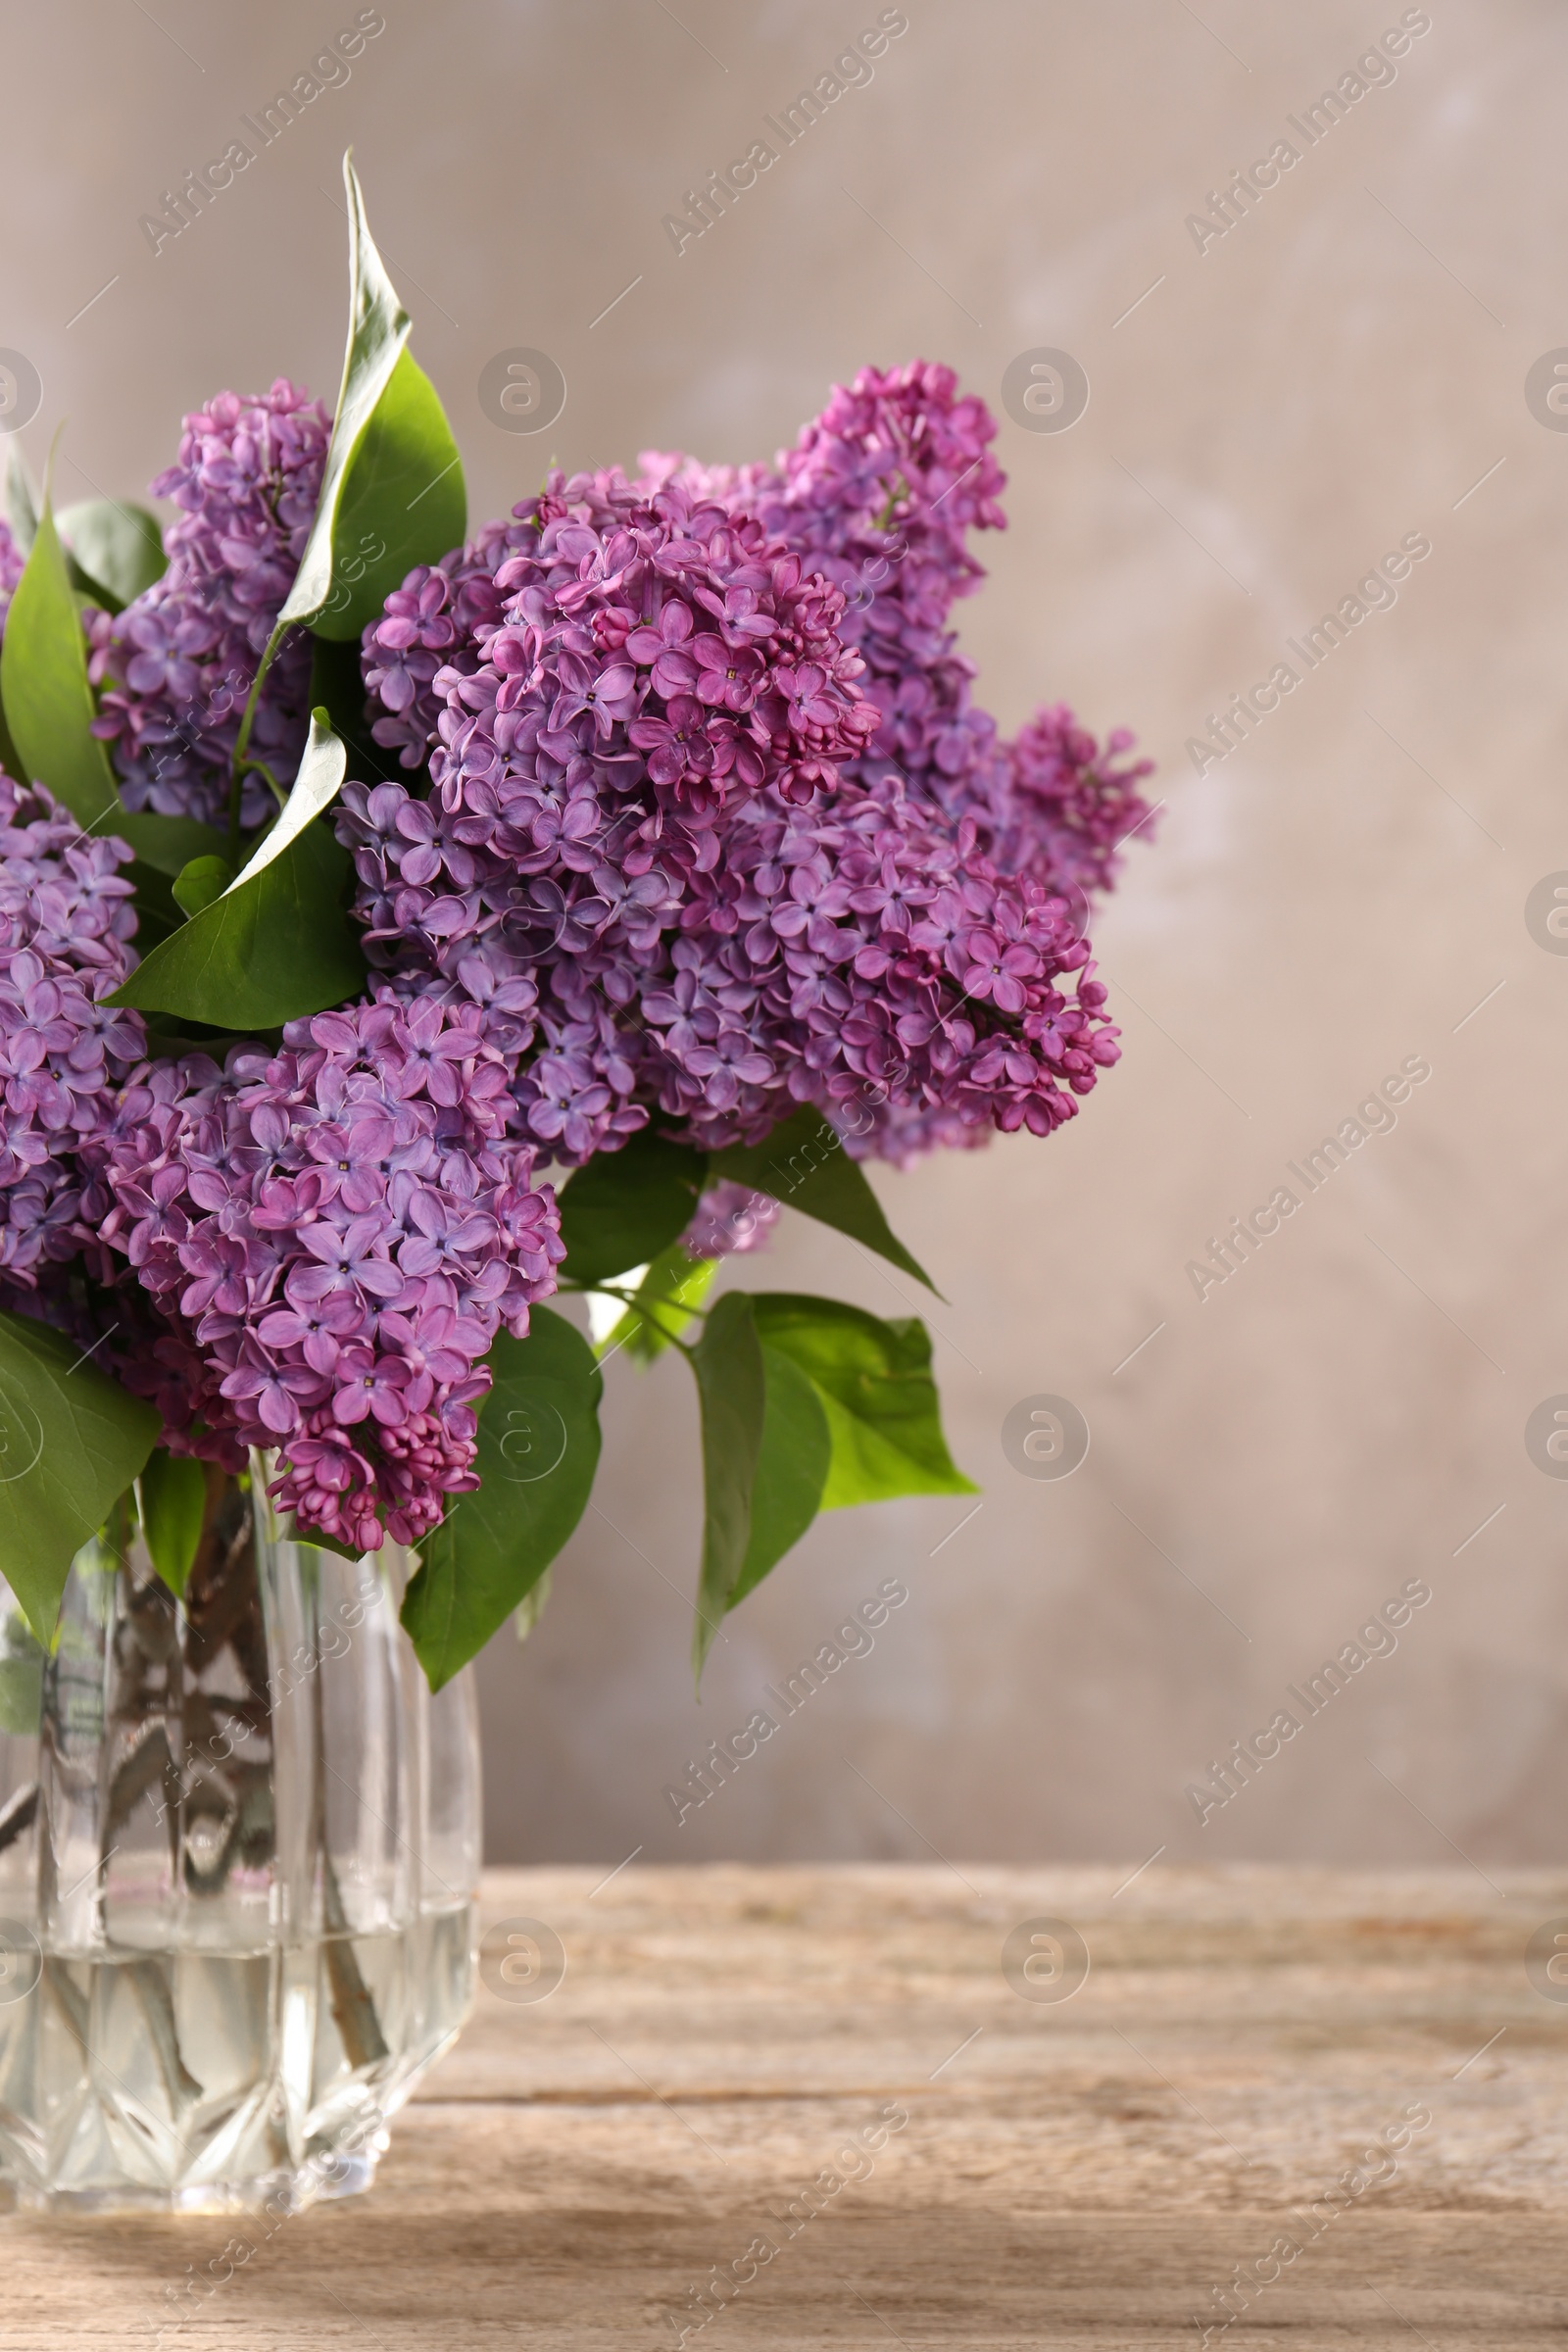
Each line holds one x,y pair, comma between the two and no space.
654,667
174,669
677,911
341,1227
66,925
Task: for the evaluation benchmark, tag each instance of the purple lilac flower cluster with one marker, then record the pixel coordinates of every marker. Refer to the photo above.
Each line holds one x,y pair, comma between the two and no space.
177,667
66,924
833,934
341,1227
1069,807
882,490
658,665
881,493
432,624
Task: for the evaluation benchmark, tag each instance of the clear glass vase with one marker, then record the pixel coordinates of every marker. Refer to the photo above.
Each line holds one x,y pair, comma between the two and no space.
238,1861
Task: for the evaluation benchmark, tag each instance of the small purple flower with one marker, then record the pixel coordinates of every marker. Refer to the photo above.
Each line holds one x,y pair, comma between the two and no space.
175,668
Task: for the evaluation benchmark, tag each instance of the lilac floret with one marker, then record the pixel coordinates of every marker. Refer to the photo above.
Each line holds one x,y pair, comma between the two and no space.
177,667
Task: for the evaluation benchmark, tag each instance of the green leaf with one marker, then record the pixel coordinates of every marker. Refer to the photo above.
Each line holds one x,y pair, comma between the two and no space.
874,1381
117,549
404,503
49,705
791,1469
71,1439
805,1164
731,1390
165,846
392,490
168,844
271,950
197,885
174,1512
21,500
626,1207
538,1452
664,1307
313,790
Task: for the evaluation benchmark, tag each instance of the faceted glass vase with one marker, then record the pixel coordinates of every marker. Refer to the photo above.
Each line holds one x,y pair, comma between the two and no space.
238,1861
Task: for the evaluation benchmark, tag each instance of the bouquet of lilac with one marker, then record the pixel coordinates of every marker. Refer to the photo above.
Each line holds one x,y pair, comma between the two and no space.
399,930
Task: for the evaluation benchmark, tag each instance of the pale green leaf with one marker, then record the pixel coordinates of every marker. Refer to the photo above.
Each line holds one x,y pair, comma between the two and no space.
392,490
875,1384
278,949
118,548
72,1440
730,1386
313,790
538,1452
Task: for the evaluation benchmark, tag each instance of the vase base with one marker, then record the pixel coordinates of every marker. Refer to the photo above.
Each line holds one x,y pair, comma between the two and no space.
278,2195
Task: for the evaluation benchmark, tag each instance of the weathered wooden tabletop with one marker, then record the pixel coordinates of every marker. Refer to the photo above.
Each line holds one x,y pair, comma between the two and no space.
1344,2092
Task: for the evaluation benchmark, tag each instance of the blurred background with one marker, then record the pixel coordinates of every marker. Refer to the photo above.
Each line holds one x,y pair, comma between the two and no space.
1365,356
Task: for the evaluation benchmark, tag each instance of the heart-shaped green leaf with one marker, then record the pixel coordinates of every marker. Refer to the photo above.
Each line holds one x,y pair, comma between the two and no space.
538,1452
271,950
198,884
403,503
791,1469
118,548
72,1440
803,1163
626,1207
874,1381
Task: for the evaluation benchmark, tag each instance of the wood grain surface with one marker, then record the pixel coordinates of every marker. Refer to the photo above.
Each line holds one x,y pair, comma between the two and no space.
607,2166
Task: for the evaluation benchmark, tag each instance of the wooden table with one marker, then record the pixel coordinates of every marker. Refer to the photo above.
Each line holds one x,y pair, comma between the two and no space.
1069,2172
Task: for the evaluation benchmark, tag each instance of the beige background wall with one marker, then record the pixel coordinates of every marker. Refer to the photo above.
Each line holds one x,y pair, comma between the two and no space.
1331,899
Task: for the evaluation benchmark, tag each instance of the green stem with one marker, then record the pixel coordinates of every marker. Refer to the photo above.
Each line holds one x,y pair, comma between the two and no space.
242,739
633,1302
627,1298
